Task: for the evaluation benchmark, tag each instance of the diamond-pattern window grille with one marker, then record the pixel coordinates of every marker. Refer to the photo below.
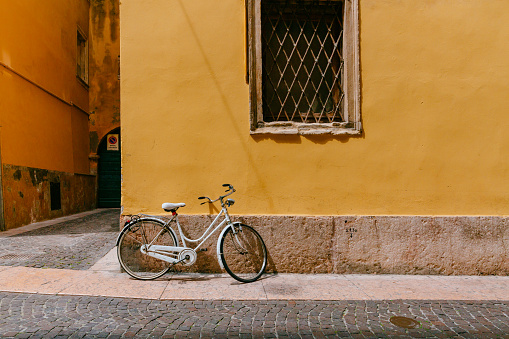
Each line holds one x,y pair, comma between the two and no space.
302,43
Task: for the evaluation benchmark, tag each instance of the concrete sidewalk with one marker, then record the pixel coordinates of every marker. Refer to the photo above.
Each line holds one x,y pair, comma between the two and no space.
104,279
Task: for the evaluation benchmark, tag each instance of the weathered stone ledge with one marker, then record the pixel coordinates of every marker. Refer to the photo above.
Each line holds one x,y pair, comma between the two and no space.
449,245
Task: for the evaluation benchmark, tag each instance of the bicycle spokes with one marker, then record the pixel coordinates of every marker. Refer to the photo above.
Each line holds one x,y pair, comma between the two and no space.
243,253
134,244
238,243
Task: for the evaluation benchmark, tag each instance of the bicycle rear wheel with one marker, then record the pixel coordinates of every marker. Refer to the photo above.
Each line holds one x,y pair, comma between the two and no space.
133,237
243,253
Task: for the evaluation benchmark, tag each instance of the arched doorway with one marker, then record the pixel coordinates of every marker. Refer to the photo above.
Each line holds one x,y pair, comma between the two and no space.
109,170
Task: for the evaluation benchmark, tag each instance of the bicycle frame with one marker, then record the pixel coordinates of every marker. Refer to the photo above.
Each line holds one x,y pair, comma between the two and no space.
167,253
204,237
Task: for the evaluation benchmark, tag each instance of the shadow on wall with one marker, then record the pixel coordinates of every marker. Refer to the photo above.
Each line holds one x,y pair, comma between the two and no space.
297,139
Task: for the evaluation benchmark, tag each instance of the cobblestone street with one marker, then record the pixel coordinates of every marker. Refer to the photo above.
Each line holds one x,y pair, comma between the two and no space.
36,316
74,244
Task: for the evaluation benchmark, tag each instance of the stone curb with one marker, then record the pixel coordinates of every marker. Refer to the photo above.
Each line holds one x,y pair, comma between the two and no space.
270,287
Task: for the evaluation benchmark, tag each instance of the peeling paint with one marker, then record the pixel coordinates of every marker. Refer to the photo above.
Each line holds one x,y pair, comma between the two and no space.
94,141
37,175
114,15
17,175
98,17
116,115
27,197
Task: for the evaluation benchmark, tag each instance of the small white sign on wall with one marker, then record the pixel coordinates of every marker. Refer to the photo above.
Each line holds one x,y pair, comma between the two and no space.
113,142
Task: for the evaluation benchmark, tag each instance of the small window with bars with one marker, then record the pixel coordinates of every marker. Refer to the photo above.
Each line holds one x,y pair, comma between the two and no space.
299,66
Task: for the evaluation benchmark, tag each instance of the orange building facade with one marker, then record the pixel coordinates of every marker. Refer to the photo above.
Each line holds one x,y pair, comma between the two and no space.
48,160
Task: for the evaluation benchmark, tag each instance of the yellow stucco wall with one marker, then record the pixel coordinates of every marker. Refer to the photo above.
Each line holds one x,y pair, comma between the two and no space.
434,111
38,86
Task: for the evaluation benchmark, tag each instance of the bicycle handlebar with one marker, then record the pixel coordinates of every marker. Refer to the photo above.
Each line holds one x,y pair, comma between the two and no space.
230,188
205,201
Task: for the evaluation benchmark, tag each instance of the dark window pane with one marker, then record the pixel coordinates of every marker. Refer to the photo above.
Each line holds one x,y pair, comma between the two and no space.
56,202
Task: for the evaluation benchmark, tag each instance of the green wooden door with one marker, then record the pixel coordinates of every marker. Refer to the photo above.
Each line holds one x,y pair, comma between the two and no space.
109,174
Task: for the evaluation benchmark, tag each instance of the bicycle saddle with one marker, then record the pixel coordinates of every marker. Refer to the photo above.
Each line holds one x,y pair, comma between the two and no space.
168,206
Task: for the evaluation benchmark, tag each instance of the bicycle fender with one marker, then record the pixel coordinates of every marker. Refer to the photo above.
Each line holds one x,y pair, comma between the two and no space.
218,251
132,222
122,231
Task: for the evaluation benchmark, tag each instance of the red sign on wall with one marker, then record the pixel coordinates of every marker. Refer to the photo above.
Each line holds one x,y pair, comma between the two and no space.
113,144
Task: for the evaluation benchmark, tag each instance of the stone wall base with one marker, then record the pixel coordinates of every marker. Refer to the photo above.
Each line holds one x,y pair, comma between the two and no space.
456,245
27,199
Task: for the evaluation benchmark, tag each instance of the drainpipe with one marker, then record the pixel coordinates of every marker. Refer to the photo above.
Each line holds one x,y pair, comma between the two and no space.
2,221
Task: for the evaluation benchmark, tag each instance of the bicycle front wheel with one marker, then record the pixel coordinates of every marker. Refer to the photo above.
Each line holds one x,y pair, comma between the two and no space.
144,232
243,253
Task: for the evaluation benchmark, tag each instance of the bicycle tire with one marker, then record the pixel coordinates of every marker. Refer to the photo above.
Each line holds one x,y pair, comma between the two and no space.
137,264
243,253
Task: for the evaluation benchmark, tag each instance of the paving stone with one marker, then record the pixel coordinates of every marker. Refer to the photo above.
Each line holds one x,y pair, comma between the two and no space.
43,316
74,244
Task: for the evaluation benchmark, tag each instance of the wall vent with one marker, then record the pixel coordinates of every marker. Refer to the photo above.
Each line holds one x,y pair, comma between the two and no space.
54,190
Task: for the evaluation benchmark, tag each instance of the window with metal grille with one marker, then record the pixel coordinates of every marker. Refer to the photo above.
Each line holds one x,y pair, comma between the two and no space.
303,66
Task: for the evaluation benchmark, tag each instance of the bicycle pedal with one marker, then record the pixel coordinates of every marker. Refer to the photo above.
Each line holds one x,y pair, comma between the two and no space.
203,250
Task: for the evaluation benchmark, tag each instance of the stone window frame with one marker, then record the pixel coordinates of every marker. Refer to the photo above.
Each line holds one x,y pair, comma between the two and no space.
81,56
351,80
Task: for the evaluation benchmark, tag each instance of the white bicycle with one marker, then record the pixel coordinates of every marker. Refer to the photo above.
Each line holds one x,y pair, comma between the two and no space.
147,247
